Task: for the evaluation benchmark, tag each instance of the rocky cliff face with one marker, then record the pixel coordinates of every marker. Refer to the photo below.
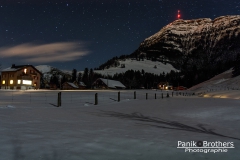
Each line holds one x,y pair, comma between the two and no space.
216,40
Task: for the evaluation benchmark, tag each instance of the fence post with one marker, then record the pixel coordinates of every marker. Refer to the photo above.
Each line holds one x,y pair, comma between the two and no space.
134,94
96,99
155,96
59,99
119,96
167,95
146,95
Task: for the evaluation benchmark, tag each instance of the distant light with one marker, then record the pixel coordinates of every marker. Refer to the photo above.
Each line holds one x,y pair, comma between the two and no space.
179,15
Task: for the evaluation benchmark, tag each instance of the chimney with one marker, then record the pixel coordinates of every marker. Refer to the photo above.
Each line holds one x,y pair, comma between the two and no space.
13,65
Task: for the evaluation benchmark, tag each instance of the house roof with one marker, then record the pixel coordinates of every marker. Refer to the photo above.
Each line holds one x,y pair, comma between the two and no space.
82,84
112,83
9,69
72,85
19,67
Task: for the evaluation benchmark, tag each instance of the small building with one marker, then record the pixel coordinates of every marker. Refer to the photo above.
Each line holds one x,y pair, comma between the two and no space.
164,86
20,77
102,83
53,86
73,86
81,85
69,86
180,88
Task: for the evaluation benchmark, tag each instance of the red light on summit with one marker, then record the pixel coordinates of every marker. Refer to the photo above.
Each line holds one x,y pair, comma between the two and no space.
179,15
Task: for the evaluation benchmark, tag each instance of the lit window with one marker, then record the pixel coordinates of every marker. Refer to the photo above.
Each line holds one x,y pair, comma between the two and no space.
19,81
3,82
27,82
11,81
25,70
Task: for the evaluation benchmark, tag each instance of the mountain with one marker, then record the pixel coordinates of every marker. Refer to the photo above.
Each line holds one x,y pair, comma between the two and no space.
49,71
199,48
180,38
44,68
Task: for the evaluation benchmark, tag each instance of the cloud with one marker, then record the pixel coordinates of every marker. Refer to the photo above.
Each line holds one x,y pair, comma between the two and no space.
53,52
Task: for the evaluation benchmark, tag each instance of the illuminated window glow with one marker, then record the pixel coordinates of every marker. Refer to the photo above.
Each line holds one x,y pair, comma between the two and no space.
19,81
3,82
11,81
27,82
25,71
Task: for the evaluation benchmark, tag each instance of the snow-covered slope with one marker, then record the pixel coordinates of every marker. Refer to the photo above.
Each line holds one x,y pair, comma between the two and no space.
146,65
48,71
221,82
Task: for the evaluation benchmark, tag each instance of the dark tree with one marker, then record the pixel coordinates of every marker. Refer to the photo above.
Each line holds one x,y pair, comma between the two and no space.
85,77
74,75
79,78
91,76
63,79
54,80
42,82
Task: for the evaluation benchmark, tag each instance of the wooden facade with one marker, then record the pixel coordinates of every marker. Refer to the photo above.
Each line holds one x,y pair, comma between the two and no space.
20,77
73,86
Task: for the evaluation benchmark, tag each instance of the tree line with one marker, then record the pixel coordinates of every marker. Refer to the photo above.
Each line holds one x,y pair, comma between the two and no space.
131,79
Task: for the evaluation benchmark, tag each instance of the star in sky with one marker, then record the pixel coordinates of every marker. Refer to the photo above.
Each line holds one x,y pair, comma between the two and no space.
104,29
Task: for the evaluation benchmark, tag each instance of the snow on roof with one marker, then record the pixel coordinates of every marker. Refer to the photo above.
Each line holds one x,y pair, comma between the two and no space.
112,83
9,69
72,84
82,84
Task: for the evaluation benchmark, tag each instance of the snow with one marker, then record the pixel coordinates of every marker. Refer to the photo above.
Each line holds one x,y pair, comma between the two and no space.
73,85
112,83
10,69
146,65
130,129
221,82
44,68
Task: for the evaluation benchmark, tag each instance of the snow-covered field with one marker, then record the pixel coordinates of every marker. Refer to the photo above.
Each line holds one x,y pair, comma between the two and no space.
146,65
32,127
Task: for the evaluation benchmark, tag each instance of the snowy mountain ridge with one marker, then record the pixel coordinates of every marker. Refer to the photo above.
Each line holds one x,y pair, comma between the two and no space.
185,36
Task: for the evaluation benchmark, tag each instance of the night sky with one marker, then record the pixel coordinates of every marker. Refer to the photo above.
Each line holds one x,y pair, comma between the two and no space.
86,33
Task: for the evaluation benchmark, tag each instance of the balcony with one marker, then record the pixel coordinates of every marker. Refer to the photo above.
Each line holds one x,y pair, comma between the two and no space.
25,77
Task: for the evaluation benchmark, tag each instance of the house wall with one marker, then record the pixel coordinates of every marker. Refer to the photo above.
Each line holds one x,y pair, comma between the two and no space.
14,76
66,86
99,84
